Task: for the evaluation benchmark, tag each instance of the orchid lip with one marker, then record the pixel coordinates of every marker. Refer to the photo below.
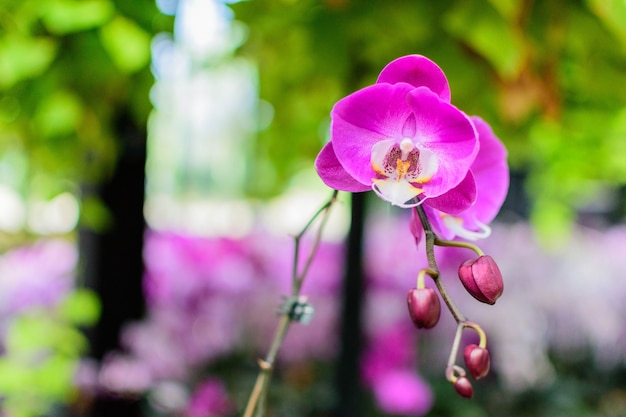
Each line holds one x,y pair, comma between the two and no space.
455,224
401,168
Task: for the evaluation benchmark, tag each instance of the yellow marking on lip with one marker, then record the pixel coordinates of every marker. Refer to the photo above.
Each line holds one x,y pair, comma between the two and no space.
378,169
402,167
423,180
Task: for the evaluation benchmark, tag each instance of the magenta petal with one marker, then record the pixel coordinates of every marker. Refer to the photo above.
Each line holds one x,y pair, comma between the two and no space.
447,132
418,71
332,173
436,222
415,226
370,115
491,174
458,199
401,392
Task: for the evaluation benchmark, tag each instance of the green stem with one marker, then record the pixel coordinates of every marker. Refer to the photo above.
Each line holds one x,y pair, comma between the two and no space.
298,278
479,330
256,402
430,239
451,367
458,244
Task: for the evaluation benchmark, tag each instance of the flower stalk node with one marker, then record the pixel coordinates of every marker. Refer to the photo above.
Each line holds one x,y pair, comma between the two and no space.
264,365
298,309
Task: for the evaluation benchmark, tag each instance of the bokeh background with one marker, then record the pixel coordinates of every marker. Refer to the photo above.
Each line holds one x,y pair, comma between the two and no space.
156,157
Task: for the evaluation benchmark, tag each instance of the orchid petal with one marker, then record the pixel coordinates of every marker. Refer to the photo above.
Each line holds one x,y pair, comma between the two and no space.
332,173
491,173
362,119
418,71
398,193
436,221
429,163
458,199
456,226
379,152
448,133
491,177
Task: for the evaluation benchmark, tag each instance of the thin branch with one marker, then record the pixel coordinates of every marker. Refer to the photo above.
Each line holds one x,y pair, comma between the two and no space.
457,244
256,401
298,279
430,239
451,367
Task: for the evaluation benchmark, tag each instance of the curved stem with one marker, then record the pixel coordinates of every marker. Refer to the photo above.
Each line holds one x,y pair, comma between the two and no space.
481,333
430,239
420,277
451,367
458,244
298,278
256,402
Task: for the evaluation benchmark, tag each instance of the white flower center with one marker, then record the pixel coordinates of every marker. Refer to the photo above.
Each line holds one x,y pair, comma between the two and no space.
401,167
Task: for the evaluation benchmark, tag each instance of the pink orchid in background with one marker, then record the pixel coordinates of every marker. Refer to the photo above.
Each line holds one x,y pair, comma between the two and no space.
210,399
402,139
388,368
491,175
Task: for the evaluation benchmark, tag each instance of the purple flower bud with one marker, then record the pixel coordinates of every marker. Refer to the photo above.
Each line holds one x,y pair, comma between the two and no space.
424,307
482,279
464,387
477,360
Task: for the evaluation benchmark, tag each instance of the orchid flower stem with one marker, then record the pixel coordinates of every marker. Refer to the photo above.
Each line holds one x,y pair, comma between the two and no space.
481,333
451,368
255,406
298,278
457,244
431,238
420,277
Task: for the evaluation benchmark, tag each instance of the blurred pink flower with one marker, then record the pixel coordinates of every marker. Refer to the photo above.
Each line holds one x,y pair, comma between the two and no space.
37,275
388,367
402,392
210,399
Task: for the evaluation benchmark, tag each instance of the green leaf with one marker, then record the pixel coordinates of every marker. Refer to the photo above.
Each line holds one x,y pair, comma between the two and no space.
13,375
23,57
66,16
615,148
489,34
94,214
127,44
28,333
82,308
507,8
553,221
41,332
53,377
613,14
58,114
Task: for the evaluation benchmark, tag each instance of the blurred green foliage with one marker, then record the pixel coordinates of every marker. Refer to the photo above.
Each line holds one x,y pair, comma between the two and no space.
42,348
69,71
547,76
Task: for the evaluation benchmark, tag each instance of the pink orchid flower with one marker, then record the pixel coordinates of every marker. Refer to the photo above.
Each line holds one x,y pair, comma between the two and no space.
403,139
468,208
